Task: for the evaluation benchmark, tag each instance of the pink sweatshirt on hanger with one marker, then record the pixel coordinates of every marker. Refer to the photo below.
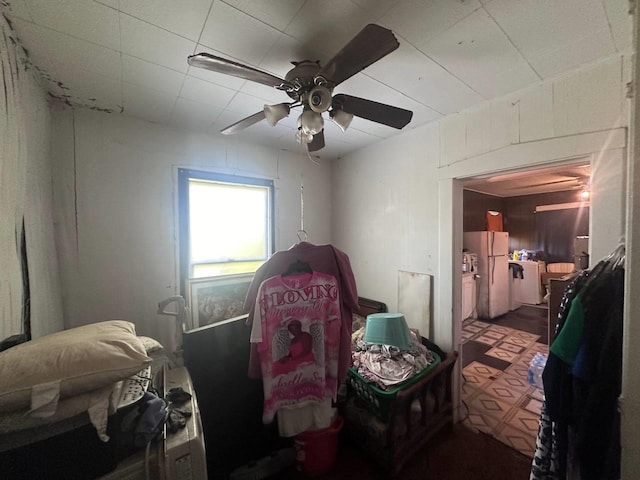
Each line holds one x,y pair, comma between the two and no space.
296,327
321,258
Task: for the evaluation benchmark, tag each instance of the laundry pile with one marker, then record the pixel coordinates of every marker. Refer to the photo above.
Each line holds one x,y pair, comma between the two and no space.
387,365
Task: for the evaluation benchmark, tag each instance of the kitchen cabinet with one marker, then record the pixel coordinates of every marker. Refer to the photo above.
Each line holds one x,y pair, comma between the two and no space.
468,295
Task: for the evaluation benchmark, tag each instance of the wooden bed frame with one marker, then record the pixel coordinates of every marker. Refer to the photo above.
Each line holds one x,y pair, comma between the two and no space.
416,414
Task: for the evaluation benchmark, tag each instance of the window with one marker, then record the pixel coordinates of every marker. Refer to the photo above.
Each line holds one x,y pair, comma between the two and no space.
226,223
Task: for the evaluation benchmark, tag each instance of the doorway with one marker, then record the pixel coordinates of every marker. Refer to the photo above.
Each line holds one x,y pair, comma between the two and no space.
541,212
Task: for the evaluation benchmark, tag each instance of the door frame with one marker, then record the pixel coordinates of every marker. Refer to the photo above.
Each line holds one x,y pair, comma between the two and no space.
514,158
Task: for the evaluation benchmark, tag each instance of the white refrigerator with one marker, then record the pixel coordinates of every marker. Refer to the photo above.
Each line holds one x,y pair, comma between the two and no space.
492,249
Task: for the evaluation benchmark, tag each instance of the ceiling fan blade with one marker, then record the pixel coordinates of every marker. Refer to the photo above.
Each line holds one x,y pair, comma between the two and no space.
573,181
367,47
376,112
229,67
317,143
244,123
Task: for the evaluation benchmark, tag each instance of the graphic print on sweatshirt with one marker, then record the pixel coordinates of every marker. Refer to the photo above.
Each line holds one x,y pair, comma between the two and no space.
297,328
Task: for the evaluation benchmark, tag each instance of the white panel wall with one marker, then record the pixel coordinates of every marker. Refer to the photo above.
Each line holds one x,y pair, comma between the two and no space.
608,202
115,208
535,109
630,399
25,195
535,126
385,211
504,123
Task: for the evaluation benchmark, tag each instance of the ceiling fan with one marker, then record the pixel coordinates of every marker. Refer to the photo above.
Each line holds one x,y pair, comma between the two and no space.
311,85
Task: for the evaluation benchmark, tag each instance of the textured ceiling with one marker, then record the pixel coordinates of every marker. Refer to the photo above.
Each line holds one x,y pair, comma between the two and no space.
129,56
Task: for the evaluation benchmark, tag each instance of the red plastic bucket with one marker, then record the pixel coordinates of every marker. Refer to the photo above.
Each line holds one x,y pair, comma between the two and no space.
316,450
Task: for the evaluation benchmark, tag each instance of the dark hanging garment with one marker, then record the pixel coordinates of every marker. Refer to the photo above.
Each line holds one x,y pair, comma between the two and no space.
516,270
579,435
597,374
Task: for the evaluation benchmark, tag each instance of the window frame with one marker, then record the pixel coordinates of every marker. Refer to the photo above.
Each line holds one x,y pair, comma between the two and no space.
186,174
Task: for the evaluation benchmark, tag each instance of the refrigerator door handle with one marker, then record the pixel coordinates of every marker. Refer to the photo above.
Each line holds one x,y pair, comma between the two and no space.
493,268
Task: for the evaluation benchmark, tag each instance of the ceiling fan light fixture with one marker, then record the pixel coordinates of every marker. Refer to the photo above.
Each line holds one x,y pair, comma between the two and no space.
341,118
311,122
275,113
302,137
320,99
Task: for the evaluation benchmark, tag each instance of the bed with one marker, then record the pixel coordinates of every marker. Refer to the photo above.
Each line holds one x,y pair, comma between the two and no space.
59,393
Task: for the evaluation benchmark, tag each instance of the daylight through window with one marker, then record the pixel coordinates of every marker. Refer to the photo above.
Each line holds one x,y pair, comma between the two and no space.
226,223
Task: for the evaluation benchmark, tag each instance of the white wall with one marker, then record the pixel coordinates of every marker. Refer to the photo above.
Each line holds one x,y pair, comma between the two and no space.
385,216
25,195
396,201
115,208
630,399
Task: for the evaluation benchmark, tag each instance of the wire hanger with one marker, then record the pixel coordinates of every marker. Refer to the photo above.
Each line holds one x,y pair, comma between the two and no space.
617,258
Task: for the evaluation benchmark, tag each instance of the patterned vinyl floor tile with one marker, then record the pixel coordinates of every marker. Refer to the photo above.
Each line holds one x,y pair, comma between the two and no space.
482,422
486,339
480,324
501,329
481,370
488,405
473,328
513,382
518,370
538,394
532,405
467,335
524,421
471,390
517,439
502,403
503,354
504,392
525,335
492,334
521,342
540,347
517,349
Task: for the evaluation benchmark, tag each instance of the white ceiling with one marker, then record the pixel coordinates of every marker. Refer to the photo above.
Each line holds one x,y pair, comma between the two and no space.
529,182
129,56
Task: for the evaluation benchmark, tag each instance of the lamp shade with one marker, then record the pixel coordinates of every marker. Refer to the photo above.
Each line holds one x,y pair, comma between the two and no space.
388,329
341,118
311,122
275,113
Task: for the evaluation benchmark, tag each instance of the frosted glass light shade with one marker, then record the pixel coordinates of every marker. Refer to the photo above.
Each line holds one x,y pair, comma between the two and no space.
275,113
311,122
342,119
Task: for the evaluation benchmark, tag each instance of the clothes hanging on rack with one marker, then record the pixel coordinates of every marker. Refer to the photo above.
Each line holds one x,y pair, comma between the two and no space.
324,322
296,327
579,431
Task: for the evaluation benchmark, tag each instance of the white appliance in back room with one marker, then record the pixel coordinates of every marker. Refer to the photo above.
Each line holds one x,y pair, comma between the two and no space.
492,249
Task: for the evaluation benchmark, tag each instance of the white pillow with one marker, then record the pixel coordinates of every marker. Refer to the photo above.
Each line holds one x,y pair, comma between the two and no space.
68,363
150,344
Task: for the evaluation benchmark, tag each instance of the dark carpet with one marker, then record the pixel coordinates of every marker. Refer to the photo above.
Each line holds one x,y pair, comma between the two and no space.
459,454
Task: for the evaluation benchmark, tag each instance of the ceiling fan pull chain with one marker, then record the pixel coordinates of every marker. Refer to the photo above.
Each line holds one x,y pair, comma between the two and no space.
302,233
